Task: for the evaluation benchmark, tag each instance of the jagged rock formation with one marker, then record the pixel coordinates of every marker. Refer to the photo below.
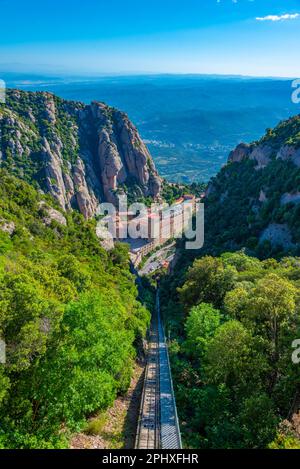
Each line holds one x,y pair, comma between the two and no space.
262,154
80,154
254,201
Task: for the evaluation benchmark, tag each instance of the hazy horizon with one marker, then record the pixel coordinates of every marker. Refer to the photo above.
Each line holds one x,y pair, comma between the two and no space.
46,73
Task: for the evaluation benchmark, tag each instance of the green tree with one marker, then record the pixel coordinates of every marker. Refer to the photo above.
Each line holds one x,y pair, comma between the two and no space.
200,327
233,358
258,420
207,281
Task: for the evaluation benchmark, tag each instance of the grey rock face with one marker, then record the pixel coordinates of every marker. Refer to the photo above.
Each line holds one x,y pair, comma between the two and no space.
50,109
240,153
289,153
293,198
259,153
87,202
122,156
262,196
111,167
7,226
278,235
262,155
52,215
54,174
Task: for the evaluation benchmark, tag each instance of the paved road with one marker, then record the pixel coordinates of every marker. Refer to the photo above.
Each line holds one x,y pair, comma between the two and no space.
155,261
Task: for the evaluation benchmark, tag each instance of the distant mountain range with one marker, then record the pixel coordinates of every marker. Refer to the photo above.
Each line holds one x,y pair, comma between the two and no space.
189,122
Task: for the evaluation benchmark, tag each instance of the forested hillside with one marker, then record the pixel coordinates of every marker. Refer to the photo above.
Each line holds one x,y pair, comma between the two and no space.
234,308
254,202
69,317
232,321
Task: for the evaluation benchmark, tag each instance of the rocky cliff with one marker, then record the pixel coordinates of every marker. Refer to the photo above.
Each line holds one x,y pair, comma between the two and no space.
254,202
80,154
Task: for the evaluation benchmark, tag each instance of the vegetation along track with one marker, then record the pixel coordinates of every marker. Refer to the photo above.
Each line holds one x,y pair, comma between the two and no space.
158,425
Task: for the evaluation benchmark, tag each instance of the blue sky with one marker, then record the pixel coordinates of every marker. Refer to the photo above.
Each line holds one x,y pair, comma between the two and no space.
248,37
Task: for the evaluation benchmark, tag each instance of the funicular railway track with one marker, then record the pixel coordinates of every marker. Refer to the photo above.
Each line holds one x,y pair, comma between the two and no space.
158,423
148,425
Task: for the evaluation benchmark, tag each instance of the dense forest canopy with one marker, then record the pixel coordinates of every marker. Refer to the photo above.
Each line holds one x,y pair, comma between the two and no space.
232,324
69,317
232,309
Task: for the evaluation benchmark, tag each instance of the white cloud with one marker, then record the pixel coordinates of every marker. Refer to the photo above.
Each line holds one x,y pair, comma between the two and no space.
279,17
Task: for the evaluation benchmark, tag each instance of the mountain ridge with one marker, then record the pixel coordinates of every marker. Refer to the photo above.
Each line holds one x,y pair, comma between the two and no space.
261,181
80,154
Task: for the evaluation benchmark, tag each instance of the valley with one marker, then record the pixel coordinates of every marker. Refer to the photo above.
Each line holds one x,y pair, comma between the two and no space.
75,315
